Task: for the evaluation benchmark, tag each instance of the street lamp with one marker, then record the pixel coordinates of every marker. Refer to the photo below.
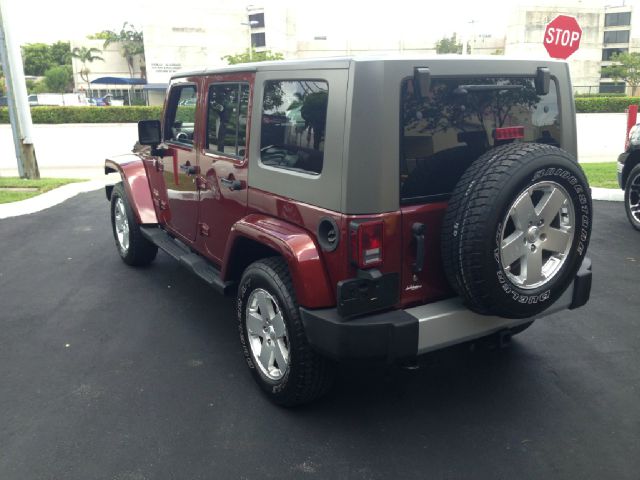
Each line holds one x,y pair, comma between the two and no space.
249,24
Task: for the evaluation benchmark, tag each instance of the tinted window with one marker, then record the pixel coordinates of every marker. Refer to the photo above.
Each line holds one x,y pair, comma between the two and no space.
258,18
620,36
181,114
616,19
227,118
294,117
258,40
456,122
607,53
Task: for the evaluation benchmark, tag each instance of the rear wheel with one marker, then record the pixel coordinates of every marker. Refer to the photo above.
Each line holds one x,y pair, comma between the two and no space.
632,197
516,229
274,343
133,247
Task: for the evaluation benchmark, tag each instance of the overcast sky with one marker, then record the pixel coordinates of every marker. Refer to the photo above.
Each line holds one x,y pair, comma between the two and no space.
51,20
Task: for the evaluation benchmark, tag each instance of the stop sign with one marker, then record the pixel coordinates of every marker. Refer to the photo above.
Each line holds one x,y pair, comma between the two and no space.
562,36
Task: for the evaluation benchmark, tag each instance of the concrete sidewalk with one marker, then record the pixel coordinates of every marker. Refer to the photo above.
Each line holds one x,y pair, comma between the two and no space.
59,195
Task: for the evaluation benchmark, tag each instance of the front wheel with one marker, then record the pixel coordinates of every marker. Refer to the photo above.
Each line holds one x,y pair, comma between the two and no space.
133,248
632,197
274,343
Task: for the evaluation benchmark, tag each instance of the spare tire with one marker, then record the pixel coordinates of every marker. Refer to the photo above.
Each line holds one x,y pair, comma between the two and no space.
516,229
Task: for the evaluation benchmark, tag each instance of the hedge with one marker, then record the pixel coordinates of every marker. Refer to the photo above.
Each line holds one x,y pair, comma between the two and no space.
135,114
88,114
604,104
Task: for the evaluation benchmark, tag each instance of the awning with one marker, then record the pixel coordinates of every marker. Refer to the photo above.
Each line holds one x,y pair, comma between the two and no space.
156,86
119,81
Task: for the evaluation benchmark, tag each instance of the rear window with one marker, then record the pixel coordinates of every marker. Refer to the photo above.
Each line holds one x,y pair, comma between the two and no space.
460,119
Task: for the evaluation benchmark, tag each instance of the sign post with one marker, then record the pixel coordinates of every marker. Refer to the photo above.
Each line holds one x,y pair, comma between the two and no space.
562,37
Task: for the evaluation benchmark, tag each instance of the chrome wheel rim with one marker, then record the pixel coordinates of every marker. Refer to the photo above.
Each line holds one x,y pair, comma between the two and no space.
536,235
121,225
633,198
267,334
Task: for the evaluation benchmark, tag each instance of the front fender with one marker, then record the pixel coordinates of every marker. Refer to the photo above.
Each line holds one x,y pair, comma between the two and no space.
310,280
136,184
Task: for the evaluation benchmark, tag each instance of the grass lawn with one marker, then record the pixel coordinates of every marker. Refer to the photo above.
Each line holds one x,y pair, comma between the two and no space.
603,175
42,185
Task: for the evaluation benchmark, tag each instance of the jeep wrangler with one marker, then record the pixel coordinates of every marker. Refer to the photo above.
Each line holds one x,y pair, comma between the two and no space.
372,209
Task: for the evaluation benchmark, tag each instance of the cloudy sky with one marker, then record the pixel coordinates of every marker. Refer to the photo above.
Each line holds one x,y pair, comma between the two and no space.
48,21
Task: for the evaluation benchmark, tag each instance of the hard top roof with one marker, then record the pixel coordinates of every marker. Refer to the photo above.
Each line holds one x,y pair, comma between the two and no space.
345,62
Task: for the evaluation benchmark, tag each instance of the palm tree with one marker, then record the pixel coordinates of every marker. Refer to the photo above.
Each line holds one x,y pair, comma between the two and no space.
86,55
131,43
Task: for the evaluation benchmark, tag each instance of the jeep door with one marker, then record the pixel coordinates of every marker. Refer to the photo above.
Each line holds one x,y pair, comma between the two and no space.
173,176
223,158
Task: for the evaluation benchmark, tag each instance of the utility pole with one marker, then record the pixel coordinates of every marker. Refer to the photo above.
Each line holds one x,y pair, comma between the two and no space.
17,99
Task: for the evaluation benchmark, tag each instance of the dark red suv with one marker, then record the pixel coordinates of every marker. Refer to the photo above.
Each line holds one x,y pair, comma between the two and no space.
359,208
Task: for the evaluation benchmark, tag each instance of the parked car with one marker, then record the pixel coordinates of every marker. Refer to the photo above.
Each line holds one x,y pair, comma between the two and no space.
408,207
629,176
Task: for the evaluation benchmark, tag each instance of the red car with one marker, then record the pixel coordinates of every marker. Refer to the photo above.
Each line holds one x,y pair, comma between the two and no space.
370,209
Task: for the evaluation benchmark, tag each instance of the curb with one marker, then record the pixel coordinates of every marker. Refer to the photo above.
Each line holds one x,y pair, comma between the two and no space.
607,194
60,194
48,199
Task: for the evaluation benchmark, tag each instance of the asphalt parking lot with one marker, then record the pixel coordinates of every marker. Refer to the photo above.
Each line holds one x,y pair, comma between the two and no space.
109,372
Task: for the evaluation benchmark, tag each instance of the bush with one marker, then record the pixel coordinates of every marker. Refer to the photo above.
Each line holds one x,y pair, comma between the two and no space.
42,114
604,104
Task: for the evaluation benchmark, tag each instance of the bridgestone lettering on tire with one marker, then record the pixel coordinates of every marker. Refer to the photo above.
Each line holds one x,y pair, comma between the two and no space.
273,340
516,229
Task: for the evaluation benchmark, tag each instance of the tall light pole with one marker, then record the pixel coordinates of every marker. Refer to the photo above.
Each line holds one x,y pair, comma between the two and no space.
17,100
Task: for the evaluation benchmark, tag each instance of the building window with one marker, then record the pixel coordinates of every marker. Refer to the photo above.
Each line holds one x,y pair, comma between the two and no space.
617,19
619,36
256,17
258,40
607,53
618,87
227,118
294,117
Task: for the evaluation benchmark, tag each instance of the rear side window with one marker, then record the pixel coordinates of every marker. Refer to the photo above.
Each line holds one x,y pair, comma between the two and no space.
227,118
294,117
181,114
459,120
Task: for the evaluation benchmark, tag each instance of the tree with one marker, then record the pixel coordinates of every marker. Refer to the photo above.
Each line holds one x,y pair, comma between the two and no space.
131,42
39,57
59,79
86,55
60,53
448,45
247,57
626,67
36,58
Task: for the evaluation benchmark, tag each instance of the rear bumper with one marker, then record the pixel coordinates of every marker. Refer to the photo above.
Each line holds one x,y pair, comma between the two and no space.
403,334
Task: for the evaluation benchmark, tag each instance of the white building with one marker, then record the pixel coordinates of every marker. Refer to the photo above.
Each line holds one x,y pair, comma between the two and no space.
203,34
112,65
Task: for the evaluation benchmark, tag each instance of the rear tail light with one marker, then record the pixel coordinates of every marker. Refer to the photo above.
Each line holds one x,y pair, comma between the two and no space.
508,133
366,243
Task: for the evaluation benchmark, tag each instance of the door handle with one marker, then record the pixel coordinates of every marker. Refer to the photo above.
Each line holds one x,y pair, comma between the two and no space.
231,183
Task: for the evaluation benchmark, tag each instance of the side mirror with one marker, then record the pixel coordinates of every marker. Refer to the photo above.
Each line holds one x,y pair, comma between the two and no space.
149,132
542,81
421,81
